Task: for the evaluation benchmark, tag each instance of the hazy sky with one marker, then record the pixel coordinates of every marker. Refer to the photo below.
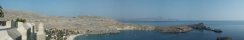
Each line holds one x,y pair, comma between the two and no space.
175,9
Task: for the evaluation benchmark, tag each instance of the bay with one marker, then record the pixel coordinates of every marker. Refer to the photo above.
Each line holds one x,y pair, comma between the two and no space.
233,29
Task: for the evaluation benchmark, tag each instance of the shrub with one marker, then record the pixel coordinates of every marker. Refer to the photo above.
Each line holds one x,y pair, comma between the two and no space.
20,20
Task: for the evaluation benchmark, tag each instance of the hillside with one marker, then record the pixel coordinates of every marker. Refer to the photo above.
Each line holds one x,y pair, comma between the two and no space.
147,19
81,23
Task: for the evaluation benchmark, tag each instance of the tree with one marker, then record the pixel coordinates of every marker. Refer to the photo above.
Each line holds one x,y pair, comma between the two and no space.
20,20
1,12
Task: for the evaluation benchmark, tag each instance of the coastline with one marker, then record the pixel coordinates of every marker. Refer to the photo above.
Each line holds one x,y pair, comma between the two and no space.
58,27
72,37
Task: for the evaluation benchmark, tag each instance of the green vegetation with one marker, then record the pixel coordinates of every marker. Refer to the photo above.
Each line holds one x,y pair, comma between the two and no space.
59,34
20,20
1,12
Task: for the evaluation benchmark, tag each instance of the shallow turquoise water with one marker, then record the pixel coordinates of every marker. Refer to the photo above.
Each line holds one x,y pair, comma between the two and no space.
234,29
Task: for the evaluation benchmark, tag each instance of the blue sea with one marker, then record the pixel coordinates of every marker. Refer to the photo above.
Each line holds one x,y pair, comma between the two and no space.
233,29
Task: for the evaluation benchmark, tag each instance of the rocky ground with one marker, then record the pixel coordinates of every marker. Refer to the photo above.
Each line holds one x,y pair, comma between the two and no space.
63,26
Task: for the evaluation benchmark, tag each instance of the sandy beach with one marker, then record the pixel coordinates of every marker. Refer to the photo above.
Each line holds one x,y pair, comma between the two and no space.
72,37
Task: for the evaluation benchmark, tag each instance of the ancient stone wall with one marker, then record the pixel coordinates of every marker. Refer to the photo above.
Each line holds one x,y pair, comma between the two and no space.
40,32
22,30
8,24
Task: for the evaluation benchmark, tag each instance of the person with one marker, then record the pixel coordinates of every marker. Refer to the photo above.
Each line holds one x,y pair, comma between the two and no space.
1,11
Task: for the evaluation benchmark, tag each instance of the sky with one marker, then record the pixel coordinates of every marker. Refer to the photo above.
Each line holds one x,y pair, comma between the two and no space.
172,9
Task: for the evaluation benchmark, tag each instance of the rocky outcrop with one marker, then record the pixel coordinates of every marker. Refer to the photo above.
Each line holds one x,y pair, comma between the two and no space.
224,38
174,29
216,30
201,26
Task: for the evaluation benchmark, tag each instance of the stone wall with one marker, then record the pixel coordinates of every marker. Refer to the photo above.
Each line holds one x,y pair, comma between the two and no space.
8,24
2,23
22,30
40,32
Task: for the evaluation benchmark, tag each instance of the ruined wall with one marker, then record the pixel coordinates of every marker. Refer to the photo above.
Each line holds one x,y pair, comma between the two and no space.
4,35
40,32
2,23
8,24
22,30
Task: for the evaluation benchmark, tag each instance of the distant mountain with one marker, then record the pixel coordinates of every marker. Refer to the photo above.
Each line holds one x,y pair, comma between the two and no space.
148,19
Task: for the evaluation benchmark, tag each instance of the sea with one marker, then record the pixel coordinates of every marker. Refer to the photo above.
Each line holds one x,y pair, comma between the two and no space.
233,29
